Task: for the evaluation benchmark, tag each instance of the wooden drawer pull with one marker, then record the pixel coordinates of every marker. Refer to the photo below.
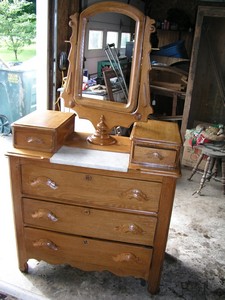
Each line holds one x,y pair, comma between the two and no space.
88,177
45,243
156,155
127,257
135,194
34,140
44,213
42,180
86,211
130,228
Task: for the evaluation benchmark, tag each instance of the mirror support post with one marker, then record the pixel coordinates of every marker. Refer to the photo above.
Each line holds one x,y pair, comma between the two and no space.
101,136
70,81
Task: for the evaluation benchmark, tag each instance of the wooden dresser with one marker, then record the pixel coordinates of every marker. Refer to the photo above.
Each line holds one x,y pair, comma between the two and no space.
94,218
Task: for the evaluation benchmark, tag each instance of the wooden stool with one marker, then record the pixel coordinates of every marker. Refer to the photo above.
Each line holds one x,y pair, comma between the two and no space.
214,156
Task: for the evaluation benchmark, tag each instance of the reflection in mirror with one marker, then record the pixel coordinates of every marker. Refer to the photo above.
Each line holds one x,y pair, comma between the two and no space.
108,57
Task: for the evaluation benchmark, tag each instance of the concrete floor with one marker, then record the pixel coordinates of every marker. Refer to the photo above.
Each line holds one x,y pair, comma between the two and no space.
194,266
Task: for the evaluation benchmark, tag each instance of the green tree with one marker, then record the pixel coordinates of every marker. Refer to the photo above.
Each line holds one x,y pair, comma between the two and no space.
17,24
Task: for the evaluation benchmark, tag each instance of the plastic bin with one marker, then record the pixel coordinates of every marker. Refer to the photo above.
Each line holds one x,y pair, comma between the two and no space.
17,93
176,49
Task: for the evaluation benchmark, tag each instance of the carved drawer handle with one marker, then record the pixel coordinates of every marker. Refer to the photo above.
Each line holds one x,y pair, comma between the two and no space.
127,257
45,243
44,213
34,140
135,194
44,180
88,177
130,228
86,211
156,155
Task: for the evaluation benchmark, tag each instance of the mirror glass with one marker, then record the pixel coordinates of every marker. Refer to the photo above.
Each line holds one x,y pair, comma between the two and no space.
108,47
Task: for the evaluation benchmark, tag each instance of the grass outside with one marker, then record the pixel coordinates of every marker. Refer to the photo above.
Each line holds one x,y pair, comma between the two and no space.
27,53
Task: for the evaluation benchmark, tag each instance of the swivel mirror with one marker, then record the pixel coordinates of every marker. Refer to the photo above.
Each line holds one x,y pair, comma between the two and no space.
120,95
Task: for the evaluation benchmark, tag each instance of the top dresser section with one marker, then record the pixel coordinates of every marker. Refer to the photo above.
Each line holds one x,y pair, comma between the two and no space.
43,130
155,144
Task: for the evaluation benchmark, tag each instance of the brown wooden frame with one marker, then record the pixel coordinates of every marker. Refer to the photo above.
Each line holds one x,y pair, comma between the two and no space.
192,103
114,114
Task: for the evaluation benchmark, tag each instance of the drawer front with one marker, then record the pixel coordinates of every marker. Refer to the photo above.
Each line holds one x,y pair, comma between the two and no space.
86,189
130,228
34,139
154,156
88,254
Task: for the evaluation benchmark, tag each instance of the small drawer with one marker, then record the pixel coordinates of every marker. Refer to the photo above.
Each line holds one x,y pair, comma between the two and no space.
155,144
43,131
87,254
35,139
154,156
91,189
130,228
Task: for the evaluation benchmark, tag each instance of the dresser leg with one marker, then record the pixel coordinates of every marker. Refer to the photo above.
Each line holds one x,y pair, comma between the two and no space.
24,267
153,290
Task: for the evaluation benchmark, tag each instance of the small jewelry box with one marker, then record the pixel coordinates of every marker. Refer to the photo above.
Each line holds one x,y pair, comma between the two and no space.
43,130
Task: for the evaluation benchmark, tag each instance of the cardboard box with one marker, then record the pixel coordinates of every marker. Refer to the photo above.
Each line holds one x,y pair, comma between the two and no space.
191,155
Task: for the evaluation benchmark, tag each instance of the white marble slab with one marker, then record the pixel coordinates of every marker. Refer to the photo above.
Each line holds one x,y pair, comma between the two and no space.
97,159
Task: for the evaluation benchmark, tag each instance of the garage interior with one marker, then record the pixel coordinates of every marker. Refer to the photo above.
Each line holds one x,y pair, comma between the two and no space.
194,265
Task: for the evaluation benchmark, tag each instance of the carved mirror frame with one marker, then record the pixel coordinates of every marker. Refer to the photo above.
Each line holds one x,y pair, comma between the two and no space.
105,115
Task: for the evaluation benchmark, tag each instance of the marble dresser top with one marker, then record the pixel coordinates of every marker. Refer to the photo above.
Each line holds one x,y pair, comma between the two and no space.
88,158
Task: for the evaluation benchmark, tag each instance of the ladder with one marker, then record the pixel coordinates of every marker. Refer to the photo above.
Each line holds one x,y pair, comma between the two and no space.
116,67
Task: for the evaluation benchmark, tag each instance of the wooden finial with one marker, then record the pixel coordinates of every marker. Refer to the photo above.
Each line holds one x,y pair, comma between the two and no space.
101,135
